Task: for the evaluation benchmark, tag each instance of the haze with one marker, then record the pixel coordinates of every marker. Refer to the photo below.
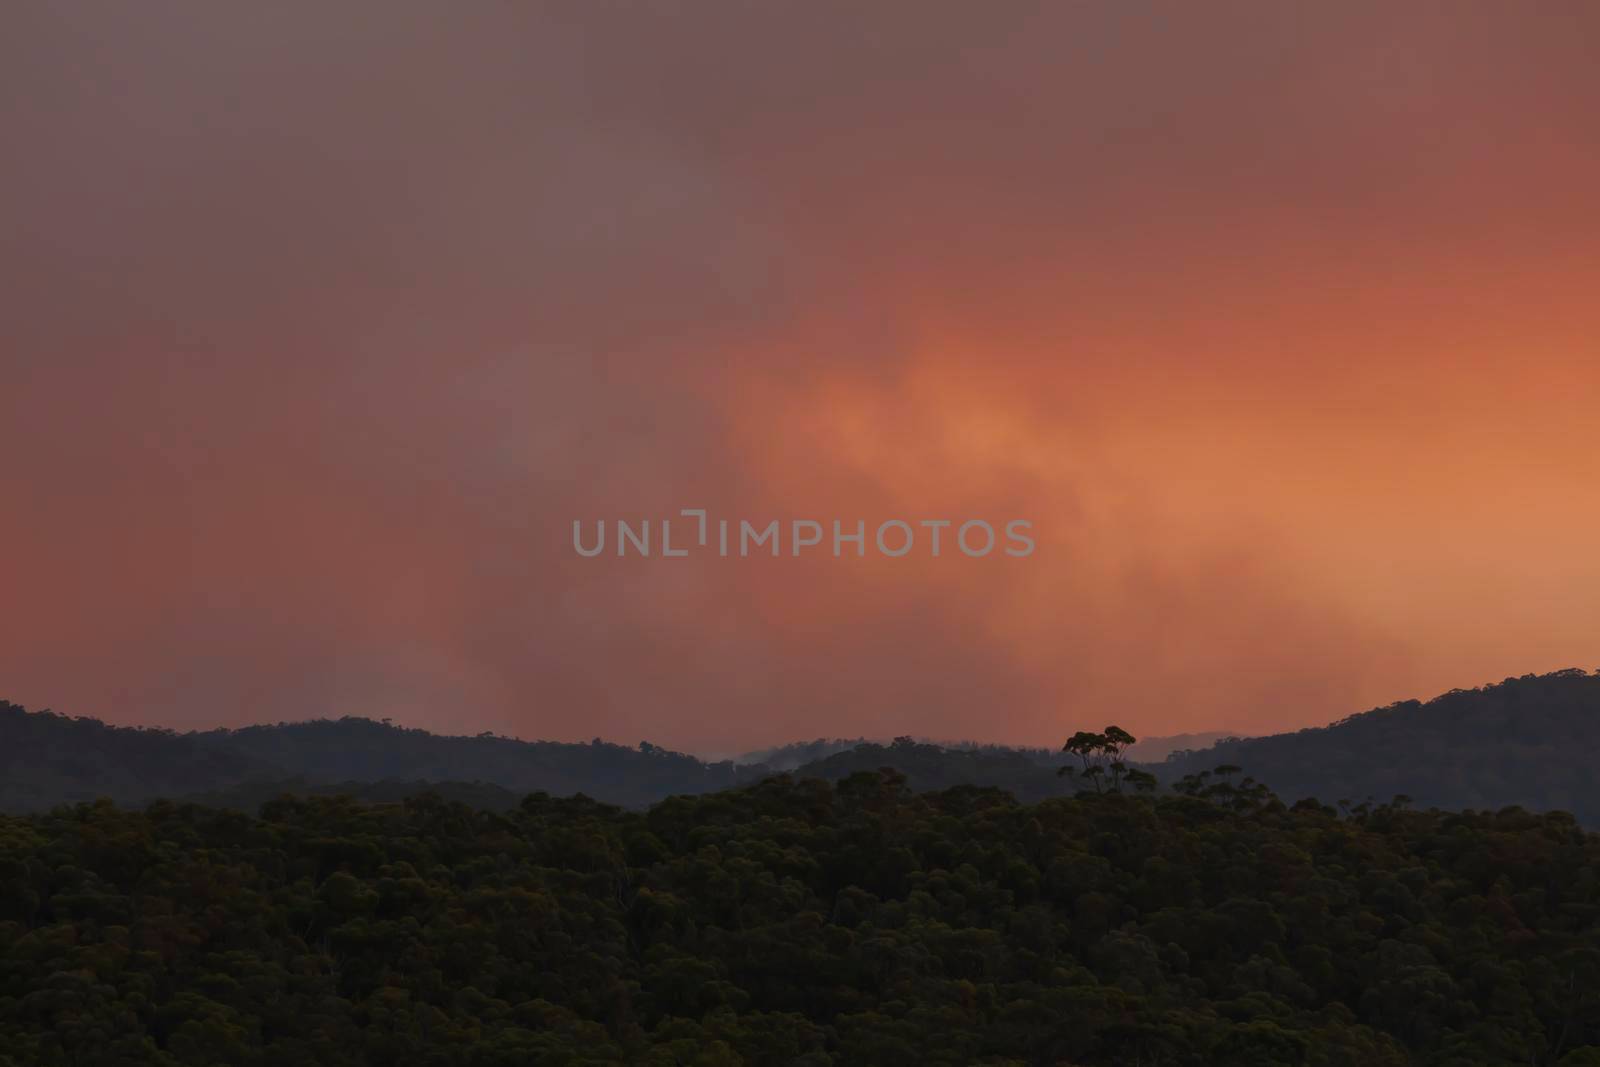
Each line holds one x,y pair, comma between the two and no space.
323,322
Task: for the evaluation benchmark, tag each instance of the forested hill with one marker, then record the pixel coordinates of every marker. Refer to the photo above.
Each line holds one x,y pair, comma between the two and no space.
1529,741
1020,772
51,759
800,753
363,750
48,759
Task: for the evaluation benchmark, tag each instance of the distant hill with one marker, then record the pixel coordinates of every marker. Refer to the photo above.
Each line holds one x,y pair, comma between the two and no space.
1528,741
48,759
353,749
1157,749
927,766
799,753
793,756
1531,741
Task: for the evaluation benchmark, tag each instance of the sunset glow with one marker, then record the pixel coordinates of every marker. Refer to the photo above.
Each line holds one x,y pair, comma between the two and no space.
1279,324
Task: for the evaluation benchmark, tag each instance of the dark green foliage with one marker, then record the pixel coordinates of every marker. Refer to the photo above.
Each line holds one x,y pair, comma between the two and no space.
800,922
249,796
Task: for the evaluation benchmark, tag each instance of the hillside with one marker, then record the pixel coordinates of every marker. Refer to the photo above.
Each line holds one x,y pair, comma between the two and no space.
927,767
1158,749
353,749
55,759
1529,741
48,759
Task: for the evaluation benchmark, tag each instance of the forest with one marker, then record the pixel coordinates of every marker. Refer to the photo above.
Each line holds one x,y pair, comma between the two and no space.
1412,885
801,921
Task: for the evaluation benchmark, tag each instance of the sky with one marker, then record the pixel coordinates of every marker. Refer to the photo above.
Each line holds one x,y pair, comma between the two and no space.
320,325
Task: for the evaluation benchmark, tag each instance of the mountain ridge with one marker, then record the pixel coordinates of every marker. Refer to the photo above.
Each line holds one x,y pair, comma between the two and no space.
1520,742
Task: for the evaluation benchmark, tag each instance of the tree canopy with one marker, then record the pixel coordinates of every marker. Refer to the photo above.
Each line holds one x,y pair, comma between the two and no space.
800,922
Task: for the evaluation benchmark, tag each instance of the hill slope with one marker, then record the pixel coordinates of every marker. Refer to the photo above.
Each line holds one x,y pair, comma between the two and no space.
353,749
926,766
1529,741
48,759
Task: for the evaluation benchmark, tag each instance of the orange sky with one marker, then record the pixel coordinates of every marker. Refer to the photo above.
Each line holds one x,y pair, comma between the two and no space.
321,329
